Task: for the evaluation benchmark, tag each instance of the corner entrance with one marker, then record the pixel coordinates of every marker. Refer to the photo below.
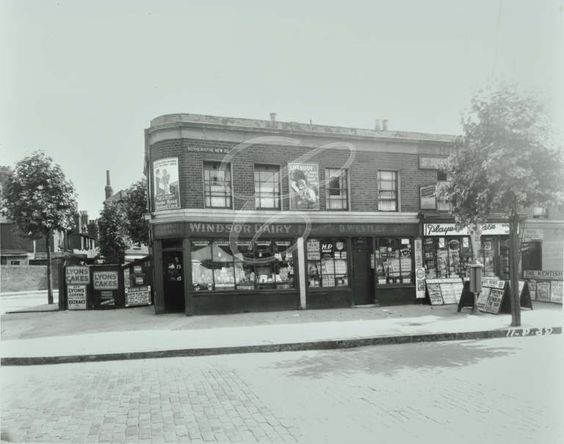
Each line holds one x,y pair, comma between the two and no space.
173,281
362,273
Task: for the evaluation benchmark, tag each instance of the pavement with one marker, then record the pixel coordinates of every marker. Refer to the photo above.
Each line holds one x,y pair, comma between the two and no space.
44,335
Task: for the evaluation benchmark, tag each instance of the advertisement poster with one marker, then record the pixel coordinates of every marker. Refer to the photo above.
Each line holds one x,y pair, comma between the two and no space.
137,296
304,186
427,197
77,275
165,184
556,290
543,291
76,297
105,280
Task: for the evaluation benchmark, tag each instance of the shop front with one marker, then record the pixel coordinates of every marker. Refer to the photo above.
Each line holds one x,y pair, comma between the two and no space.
447,250
236,267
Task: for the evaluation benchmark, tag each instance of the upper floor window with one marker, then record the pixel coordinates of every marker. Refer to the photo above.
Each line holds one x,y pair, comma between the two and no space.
267,186
387,191
336,190
540,213
217,185
443,204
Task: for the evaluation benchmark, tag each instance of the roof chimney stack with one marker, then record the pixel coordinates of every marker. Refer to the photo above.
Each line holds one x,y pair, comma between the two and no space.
109,191
273,117
385,125
378,125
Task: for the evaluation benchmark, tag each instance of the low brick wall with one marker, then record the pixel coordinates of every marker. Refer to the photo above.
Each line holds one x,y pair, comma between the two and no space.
26,277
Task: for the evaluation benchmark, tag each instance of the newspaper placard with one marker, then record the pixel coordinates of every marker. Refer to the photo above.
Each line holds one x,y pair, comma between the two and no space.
556,290
494,301
138,296
543,291
105,280
77,275
76,297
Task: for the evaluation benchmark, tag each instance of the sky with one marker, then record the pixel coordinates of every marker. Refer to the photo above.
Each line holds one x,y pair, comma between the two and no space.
81,80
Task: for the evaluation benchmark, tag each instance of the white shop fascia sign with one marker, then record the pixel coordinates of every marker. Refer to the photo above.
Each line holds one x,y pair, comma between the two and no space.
451,230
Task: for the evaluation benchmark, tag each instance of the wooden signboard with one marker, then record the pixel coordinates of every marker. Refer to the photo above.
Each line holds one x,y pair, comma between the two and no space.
458,289
495,299
466,297
448,290
525,295
135,296
545,286
444,291
434,292
543,291
556,290
483,298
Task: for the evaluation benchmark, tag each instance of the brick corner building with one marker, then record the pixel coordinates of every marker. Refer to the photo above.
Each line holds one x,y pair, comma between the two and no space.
250,215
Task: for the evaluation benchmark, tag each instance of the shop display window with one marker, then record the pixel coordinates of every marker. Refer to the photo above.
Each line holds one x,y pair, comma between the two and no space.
393,260
327,263
223,266
446,257
495,256
262,265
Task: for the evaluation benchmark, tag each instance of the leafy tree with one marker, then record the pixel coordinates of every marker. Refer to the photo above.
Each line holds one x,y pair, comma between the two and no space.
113,238
505,162
39,200
135,208
122,223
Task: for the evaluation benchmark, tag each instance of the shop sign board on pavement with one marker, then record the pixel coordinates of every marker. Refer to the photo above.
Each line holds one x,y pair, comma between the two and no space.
138,296
105,280
444,291
545,285
76,297
77,275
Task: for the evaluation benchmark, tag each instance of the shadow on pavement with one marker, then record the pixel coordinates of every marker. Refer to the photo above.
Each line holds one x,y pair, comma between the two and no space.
390,359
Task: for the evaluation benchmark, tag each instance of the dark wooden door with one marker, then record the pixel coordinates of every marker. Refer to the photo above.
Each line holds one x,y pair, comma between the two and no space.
362,274
173,281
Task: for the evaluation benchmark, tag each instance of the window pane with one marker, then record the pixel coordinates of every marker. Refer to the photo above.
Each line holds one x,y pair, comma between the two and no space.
222,260
387,191
264,264
284,264
245,266
202,278
267,186
393,261
336,189
327,264
217,185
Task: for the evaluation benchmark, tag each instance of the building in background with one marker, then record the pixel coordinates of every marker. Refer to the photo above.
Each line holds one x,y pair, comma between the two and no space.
135,252
16,249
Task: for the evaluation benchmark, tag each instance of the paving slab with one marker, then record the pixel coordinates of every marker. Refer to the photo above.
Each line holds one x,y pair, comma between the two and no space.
74,336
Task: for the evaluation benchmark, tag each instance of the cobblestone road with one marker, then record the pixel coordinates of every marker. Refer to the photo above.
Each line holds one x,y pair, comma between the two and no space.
495,391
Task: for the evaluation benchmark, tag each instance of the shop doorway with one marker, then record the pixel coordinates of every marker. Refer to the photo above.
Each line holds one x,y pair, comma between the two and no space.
363,275
173,281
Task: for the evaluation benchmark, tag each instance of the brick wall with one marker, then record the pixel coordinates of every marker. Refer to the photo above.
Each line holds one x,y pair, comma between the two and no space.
362,172
27,277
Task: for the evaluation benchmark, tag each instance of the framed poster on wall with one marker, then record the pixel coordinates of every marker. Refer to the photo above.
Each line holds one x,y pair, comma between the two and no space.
166,191
304,186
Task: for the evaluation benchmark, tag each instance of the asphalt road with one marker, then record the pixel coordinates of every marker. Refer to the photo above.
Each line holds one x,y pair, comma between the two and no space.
508,390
